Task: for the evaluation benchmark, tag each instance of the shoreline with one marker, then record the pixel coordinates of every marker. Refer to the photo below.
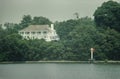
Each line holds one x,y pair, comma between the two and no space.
81,62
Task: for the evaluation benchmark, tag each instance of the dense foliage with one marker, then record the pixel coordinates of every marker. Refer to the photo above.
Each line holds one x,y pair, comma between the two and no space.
108,15
77,36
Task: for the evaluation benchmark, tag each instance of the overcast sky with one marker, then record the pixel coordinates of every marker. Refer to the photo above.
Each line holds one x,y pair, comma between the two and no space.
55,10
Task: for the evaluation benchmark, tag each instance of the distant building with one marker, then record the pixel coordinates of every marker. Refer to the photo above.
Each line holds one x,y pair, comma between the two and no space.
39,32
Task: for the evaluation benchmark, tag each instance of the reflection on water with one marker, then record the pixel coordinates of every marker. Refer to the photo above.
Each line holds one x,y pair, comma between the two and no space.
59,71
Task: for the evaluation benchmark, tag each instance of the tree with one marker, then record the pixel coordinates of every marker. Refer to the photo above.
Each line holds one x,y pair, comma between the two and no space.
54,51
36,50
83,37
9,25
11,28
112,45
65,27
108,15
76,15
11,48
77,37
40,21
26,21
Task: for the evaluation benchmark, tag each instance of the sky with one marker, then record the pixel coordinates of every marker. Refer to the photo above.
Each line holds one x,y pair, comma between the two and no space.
56,10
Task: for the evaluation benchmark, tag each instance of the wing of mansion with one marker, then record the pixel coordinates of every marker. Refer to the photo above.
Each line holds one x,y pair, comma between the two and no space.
45,32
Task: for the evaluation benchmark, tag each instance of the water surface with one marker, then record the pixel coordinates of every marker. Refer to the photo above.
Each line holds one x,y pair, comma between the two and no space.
59,71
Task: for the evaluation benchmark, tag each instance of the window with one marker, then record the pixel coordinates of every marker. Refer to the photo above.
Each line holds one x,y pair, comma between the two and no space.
33,37
52,37
21,32
27,32
33,32
56,36
28,37
44,32
38,32
45,36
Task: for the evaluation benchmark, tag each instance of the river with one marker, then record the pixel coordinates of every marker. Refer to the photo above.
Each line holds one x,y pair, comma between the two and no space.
59,71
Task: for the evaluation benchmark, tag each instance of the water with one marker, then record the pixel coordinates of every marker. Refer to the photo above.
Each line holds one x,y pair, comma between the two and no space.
59,71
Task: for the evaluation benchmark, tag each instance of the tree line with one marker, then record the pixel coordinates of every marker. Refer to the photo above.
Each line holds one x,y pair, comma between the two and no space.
77,36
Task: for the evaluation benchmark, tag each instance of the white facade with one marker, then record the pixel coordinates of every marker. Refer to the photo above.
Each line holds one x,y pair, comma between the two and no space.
39,32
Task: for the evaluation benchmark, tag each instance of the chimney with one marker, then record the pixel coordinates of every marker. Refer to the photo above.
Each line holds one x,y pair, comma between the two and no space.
52,26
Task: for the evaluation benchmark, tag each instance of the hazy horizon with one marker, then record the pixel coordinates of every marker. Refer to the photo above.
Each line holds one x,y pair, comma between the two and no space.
55,10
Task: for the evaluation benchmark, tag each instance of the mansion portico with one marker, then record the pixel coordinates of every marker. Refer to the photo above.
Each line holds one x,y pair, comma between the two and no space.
39,32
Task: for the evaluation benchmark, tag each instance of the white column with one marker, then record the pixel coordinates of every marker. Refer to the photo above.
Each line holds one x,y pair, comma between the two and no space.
92,53
52,26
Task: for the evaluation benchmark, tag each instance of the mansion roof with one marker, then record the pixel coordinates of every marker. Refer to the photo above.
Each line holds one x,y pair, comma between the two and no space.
36,28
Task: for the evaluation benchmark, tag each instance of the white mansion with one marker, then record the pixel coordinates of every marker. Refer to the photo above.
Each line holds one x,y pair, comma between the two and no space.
39,32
